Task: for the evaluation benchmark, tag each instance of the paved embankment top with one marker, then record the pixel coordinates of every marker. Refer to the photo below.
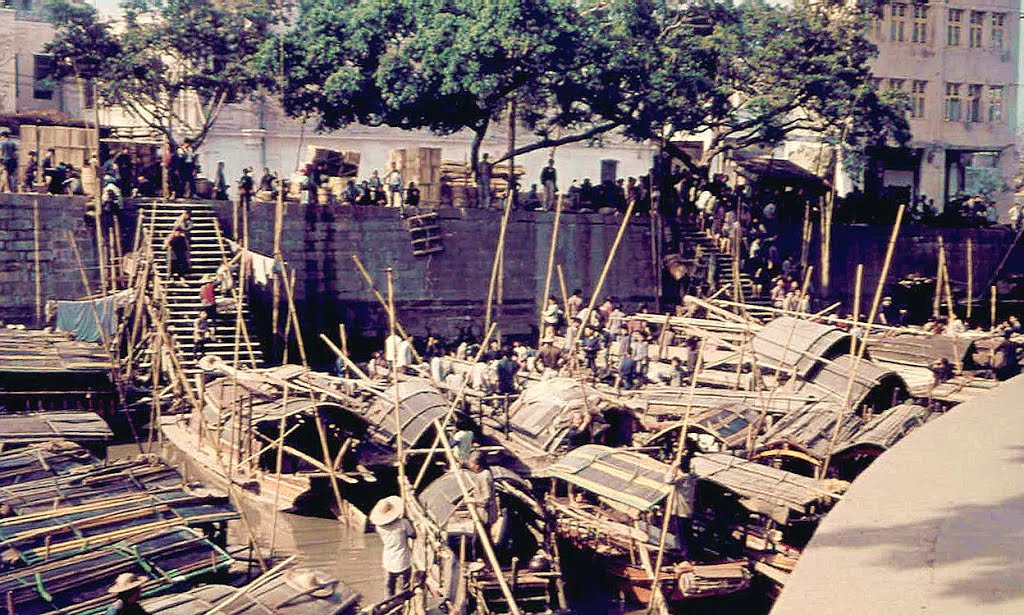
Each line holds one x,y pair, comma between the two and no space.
936,525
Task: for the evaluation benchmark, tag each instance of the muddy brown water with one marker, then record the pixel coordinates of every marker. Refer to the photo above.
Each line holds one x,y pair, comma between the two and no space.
354,557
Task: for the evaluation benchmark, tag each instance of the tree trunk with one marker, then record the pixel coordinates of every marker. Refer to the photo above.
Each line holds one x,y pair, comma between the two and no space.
474,149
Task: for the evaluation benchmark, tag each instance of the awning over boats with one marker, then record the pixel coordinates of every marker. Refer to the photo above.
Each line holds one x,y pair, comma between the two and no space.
443,496
77,584
872,383
286,595
885,429
420,405
728,423
812,429
794,343
921,350
43,460
42,426
622,476
542,411
761,488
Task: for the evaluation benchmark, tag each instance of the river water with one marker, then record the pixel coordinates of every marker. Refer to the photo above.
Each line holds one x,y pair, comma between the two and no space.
343,551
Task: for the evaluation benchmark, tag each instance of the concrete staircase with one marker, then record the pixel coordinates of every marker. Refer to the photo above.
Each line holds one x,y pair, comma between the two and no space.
183,297
692,237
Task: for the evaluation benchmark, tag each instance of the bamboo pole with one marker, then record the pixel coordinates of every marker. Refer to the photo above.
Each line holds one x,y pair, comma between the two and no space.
992,304
387,307
399,444
154,415
657,593
551,263
451,410
860,351
36,261
238,290
485,539
856,307
970,279
268,575
112,260
940,271
946,288
611,256
495,267
288,323
344,357
293,316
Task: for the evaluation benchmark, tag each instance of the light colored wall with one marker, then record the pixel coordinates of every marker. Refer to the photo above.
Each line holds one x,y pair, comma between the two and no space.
937,63
285,142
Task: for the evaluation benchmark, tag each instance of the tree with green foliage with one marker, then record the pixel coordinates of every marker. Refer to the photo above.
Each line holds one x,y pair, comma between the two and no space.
746,74
171,64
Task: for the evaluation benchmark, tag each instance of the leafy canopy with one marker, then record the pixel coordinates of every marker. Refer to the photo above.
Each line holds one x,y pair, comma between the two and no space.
171,64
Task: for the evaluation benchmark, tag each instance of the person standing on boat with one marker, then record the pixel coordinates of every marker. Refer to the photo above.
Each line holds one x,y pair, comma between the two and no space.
482,494
395,532
128,589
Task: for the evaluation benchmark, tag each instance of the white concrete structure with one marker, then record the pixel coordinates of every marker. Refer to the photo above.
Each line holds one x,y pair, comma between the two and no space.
259,135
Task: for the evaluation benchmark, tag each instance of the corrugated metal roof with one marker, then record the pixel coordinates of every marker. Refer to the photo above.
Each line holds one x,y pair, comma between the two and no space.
788,342
622,476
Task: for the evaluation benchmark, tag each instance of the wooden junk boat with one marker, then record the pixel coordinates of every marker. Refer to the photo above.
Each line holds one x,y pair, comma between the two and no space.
611,502
447,549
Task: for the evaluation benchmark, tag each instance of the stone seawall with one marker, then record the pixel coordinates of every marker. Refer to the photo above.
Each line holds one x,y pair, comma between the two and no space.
60,275
444,292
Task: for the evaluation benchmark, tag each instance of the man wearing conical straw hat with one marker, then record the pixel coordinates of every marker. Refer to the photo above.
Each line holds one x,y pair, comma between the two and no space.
395,532
128,589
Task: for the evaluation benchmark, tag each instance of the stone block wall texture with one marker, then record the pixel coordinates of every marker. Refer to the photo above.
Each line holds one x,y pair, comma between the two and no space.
60,275
443,293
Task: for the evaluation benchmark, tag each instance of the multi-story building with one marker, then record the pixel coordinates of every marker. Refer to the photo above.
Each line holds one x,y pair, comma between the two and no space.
25,84
958,63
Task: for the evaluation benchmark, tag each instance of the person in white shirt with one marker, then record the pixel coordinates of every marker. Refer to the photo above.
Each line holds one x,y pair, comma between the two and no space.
395,532
395,183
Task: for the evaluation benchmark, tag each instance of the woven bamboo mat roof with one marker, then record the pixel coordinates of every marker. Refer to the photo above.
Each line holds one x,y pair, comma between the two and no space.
33,351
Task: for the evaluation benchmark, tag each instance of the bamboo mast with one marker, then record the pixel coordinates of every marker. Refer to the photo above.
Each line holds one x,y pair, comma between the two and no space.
399,444
550,267
495,267
278,222
657,593
36,261
970,279
856,308
860,351
387,307
611,256
992,303
940,271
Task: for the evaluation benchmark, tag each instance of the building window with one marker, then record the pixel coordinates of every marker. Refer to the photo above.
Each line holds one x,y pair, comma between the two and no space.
977,21
920,33
42,85
956,17
952,102
898,23
917,99
995,103
998,30
897,84
974,102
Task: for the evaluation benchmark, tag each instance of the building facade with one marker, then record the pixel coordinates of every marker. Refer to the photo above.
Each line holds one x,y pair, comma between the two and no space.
958,64
25,84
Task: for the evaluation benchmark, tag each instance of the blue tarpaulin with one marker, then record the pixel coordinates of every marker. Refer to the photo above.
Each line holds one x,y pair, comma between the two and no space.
79,318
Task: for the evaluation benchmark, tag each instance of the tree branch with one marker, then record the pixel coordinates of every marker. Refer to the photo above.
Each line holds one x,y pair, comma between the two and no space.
546,143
